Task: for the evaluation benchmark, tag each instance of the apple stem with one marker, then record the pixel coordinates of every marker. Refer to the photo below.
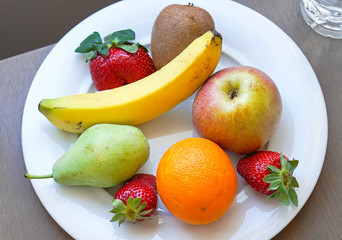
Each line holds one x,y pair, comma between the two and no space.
233,93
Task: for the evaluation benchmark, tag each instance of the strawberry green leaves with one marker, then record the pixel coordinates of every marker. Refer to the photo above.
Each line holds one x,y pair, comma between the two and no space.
282,181
120,36
132,211
93,43
87,44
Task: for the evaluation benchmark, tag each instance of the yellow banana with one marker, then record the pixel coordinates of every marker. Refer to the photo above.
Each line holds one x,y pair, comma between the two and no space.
143,100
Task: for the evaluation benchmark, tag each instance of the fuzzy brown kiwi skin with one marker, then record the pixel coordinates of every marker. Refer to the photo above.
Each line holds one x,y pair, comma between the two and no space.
175,28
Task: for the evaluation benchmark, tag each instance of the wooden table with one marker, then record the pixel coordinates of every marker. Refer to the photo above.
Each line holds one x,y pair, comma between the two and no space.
24,217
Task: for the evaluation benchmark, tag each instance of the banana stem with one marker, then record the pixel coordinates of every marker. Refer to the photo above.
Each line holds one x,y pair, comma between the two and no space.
27,175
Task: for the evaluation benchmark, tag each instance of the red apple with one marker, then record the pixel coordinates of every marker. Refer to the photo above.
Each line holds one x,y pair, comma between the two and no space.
239,108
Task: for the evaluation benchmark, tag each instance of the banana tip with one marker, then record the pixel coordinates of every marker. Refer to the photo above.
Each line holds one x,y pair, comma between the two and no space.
216,34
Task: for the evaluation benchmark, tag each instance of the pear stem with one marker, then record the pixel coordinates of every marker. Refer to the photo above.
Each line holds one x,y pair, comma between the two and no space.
27,175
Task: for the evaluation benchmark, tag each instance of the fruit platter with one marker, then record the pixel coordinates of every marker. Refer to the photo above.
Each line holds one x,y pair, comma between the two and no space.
164,130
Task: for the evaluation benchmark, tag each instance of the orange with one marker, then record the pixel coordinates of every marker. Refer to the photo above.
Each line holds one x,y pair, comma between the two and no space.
196,181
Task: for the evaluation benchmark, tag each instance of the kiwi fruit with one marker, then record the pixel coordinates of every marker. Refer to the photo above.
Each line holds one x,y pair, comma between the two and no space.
175,28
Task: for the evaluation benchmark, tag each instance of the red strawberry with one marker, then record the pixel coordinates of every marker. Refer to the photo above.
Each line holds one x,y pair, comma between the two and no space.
270,173
116,62
130,67
102,75
147,178
136,200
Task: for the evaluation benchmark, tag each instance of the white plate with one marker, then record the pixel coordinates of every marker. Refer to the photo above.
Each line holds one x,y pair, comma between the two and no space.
248,39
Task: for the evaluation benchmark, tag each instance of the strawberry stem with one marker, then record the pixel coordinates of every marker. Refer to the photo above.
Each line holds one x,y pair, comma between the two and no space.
132,211
282,181
120,39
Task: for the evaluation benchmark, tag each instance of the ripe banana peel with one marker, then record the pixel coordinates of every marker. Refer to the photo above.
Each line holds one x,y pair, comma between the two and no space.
143,100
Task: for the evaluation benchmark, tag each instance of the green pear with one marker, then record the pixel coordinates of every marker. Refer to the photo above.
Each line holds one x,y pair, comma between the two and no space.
104,155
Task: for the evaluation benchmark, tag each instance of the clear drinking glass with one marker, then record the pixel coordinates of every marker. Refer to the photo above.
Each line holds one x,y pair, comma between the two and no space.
324,16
